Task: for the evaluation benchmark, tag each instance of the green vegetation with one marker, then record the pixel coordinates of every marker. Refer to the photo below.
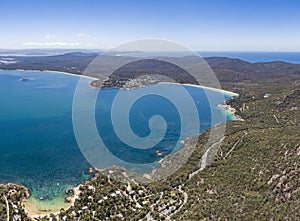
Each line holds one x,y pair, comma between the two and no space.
11,202
254,176
256,173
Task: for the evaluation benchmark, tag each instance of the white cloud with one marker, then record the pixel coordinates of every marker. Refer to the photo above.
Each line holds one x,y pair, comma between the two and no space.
48,44
83,35
49,36
57,44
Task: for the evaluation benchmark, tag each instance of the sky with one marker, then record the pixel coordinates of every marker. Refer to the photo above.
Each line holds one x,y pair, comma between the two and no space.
206,25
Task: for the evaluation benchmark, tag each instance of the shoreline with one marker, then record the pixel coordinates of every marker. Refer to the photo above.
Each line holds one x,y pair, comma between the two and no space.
5,185
30,210
71,199
209,88
33,212
230,93
231,110
93,78
55,72
76,189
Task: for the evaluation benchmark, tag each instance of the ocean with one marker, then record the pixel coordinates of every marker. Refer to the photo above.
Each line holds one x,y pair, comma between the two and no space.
291,57
38,146
250,56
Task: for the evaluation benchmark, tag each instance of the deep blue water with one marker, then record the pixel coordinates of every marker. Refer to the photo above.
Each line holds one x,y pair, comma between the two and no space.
291,57
37,143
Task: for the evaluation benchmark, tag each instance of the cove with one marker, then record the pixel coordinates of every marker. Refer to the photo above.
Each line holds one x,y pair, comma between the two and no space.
38,148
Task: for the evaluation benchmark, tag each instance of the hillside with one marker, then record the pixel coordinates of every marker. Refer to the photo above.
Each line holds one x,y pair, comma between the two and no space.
226,69
255,175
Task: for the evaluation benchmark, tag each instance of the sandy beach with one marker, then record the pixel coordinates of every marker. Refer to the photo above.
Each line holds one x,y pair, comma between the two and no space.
55,72
36,208
33,211
231,110
200,86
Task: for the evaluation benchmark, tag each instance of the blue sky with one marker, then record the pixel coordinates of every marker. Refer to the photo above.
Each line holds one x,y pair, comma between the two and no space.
208,25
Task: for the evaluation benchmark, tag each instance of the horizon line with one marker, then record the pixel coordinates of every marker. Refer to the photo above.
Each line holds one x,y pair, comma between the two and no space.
101,49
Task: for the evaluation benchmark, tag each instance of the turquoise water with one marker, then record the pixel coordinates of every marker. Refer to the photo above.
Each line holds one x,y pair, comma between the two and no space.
37,144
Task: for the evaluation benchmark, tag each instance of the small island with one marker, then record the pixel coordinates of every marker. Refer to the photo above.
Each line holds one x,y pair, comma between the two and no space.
25,79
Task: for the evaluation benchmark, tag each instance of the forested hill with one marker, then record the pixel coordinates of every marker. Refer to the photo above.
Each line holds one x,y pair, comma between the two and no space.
255,174
226,69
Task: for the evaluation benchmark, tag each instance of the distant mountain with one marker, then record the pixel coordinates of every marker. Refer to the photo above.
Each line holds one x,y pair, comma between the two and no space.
226,69
43,52
73,62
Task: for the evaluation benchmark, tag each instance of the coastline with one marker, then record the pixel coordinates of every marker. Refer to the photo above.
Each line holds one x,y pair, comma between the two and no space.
209,88
230,93
5,185
76,189
93,78
55,72
229,109
232,111
33,211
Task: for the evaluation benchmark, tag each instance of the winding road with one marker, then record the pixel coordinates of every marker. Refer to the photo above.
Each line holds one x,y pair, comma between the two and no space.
7,208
